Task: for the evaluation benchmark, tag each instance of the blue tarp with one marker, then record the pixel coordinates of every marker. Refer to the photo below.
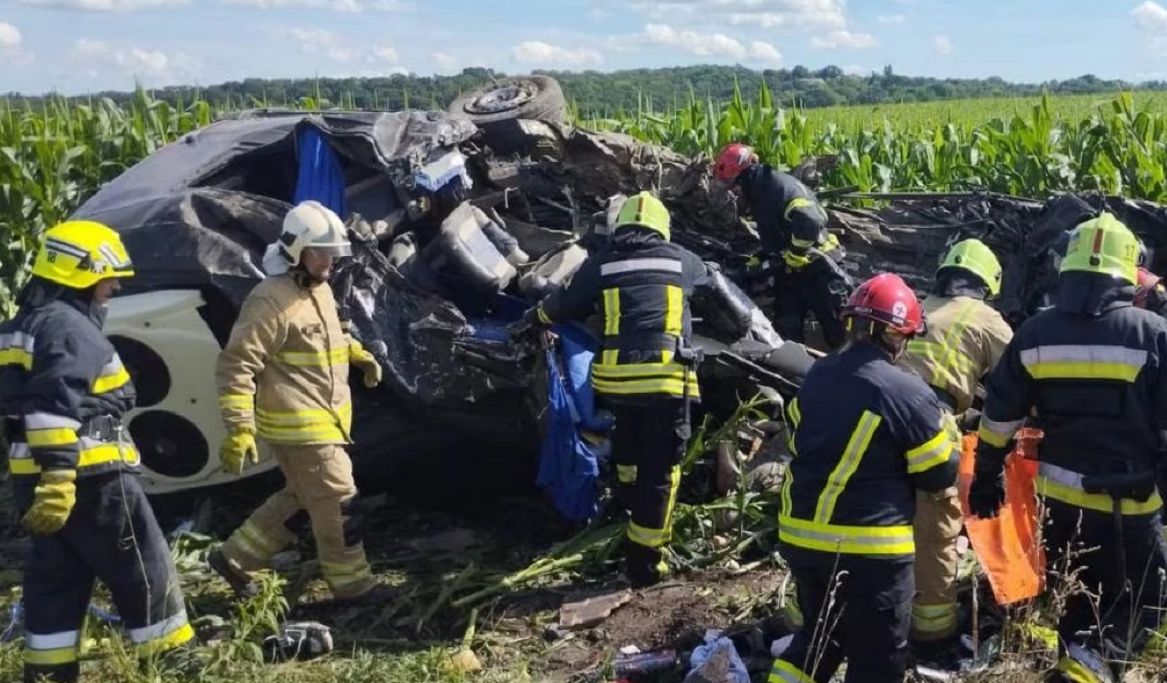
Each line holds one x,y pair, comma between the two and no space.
320,176
569,466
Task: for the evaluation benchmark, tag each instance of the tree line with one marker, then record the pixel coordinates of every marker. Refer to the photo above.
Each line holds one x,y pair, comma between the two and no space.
609,94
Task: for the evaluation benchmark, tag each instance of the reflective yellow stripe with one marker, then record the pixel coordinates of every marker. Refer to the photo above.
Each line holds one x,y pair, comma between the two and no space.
612,312
61,655
314,359
1076,672
610,357
42,438
346,572
626,474
796,203
1099,502
837,481
168,642
645,536
787,484
674,486
245,401
795,260
293,435
638,370
1084,361
542,315
674,309
675,387
795,414
16,357
933,452
851,540
88,457
785,672
933,621
997,433
108,383
948,361
257,543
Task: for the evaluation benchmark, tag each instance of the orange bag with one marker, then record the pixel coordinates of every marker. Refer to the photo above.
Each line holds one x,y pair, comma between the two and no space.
1009,546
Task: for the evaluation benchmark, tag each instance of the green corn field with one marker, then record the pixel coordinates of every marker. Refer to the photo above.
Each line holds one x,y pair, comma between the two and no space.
53,156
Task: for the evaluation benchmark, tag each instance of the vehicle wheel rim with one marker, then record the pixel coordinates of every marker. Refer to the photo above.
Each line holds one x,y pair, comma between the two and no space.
504,98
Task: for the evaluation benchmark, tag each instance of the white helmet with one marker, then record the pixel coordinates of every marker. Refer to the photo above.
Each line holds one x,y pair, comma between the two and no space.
308,224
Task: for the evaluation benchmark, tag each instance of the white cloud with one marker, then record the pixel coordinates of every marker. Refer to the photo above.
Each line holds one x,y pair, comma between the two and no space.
103,5
151,67
444,61
843,38
349,6
1151,16
319,42
765,53
10,39
538,52
943,44
892,18
824,14
700,44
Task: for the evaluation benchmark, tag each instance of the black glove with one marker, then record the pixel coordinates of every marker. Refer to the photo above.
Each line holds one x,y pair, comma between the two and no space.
969,420
987,494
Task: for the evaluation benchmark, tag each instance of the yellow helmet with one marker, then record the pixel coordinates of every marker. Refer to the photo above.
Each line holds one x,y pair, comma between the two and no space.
645,211
1103,245
79,254
977,258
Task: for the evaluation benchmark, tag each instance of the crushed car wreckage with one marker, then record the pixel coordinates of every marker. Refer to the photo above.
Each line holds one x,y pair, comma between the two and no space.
459,222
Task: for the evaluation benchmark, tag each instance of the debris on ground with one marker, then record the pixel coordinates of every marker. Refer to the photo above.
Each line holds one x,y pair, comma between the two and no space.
592,611
717,661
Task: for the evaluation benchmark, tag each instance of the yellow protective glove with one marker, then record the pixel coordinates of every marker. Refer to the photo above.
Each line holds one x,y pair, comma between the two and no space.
238,446
54,498
366,363
794,260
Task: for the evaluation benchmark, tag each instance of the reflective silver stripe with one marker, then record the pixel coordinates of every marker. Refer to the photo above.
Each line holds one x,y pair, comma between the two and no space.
49,421
1061,475
944,446
113,367
1003,428
17,340
159,630
19,451
51,641
636,264
65,247
1083,353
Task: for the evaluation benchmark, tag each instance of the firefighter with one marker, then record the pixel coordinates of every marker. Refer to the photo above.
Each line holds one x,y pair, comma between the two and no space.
867,435
283,377
792,227
1092,371
74,468
646,369
964,341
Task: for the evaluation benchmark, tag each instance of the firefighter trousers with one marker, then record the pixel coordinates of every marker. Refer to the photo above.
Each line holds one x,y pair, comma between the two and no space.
319,488
1128,571
648,443
820,288
855,609
937,526
111,536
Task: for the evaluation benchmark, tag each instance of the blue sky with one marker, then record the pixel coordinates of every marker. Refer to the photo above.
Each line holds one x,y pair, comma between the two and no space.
76,46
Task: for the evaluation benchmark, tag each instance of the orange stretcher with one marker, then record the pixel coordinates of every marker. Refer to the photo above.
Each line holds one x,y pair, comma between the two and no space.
1009,546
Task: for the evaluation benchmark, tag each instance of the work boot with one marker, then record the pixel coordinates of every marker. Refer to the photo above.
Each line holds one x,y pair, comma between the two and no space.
240,581
377,596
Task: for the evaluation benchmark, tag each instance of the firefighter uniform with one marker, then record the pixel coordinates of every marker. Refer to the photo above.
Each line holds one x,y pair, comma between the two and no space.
63,392
867,436
792,227
645,372
1092,373
284,377
964,341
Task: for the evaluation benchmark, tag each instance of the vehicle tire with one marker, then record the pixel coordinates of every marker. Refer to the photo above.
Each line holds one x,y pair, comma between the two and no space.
521,97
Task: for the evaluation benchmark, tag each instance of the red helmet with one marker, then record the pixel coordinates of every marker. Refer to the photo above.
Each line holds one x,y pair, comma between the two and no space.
887,299
732,160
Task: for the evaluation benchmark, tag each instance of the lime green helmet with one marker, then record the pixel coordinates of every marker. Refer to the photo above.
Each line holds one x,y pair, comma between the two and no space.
973,256
645,211
1103,245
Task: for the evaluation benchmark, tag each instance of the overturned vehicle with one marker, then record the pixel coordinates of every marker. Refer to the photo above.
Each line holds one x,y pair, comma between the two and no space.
460,221
451,244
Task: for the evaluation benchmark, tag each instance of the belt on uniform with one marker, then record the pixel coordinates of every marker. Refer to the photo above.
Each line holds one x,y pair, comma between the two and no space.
106,428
